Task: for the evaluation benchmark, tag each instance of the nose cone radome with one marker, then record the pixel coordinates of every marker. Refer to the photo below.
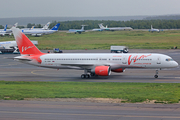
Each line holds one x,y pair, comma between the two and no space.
175,64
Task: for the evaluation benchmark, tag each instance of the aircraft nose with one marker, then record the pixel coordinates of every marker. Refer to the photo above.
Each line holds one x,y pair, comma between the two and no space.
175,64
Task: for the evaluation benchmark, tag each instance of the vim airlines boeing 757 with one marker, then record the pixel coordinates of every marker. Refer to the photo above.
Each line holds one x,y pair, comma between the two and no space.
92,64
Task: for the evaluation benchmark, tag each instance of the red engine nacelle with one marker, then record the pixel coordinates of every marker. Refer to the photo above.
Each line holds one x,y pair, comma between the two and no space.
118,70
102,70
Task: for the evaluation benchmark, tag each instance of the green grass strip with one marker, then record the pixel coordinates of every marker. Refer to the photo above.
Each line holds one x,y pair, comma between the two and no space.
132,92
103,40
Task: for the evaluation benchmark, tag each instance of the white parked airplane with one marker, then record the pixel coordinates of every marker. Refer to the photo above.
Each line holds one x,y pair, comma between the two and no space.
111,28
5,31
39,32
93,63
77,30
45,27
154,30
11,44
6,45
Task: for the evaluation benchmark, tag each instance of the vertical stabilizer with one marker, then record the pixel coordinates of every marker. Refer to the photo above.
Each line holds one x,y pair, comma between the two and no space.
56,27
83,27
15,25
26,47
151,27
5,28
46,26
101,26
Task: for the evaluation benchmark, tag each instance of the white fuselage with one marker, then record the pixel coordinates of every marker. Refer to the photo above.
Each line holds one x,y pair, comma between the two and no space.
37,31
118,28
10,44
115,61
154,30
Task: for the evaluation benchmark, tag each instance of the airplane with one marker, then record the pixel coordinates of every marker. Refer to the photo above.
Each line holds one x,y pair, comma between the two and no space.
39,32
11,45
77,30
153,30
101,64
5,31
102,28
45,27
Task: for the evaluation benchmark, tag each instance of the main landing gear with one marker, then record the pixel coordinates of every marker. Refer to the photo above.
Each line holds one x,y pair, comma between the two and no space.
156,75
87,75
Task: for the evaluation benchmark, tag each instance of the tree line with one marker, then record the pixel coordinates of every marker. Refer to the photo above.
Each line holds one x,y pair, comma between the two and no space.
135,24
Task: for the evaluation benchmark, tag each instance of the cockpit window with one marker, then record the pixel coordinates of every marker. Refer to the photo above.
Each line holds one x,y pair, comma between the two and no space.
169,59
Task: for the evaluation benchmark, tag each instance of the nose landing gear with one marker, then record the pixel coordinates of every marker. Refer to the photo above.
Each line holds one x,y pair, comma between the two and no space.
156,75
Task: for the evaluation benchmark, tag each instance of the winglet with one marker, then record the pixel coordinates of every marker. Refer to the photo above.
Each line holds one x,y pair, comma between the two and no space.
26,47
56,27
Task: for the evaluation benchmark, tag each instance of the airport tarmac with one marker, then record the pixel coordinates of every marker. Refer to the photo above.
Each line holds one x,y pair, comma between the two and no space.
11,70
48,110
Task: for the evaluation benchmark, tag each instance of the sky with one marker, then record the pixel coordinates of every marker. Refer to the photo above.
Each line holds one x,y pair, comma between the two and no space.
87,8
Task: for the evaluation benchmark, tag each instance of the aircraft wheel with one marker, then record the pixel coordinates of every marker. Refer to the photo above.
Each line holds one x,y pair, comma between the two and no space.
155,76
83,76
88,76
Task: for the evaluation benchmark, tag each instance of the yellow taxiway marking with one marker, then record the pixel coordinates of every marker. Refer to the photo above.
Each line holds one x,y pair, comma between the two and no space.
34,72
105,115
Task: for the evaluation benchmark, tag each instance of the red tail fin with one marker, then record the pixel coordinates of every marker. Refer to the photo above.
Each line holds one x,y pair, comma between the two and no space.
24,44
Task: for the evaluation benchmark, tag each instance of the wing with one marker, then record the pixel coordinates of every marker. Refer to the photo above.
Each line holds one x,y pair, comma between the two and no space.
84,66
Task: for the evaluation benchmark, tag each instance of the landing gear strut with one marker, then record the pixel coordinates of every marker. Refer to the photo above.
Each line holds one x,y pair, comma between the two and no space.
85,75
156,76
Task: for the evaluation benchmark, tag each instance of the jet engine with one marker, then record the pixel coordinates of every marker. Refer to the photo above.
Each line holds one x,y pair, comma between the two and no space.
36,35
101,70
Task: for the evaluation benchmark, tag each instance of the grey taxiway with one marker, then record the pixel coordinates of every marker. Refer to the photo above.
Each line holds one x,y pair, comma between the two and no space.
15,71
63,110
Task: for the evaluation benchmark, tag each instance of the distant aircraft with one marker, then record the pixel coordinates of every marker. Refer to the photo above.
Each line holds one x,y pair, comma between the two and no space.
15,25
153,30
77,30
102,28
39,32
101,64
5,31
12,45
45,27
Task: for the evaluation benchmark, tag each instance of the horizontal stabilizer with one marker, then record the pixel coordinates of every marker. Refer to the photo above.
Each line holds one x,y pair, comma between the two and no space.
23,59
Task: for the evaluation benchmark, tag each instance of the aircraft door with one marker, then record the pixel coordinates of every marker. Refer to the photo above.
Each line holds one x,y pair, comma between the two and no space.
158,60
124,60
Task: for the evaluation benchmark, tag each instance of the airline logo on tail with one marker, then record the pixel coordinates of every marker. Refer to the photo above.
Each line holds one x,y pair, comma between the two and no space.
26,48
